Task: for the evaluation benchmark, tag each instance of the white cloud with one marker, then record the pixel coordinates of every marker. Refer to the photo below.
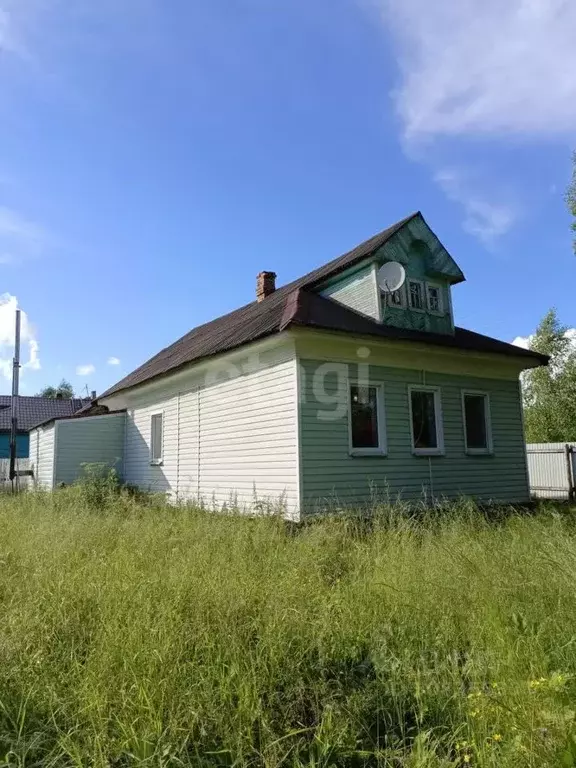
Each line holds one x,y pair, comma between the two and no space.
525,341
85,370
483,218
113,361
8,306
485,67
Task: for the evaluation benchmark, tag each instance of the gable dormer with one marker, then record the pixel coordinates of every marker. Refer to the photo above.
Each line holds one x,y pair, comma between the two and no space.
424,301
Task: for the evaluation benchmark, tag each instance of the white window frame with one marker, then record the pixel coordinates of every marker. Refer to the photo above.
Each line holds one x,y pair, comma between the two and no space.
440,310
402,292
422,285
382,449
489,450
439,450
156,462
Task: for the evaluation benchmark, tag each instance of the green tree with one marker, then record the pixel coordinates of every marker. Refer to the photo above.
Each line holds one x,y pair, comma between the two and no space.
64,390
571,198
550,392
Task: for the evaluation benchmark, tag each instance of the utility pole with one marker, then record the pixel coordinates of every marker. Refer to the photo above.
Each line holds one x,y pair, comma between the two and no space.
15,383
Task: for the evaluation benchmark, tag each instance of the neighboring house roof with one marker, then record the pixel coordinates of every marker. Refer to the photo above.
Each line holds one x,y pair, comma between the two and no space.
32,410
295,304
81,414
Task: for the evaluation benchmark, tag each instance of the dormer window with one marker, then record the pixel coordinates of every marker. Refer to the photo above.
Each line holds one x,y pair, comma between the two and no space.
434,295
416,295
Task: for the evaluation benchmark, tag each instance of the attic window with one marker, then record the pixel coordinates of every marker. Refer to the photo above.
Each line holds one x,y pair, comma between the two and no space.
434,294
416,295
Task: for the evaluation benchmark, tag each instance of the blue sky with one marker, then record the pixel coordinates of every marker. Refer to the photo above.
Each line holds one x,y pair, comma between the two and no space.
156,154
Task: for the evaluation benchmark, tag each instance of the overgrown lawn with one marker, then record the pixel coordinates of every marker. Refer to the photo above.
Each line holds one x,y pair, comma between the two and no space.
134,633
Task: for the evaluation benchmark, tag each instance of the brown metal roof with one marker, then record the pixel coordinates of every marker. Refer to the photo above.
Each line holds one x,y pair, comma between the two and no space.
292,305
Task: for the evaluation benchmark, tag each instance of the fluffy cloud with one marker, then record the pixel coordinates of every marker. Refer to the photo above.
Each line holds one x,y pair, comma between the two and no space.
113,361
30,361
485,219
481,69
484,67
85,370
525,341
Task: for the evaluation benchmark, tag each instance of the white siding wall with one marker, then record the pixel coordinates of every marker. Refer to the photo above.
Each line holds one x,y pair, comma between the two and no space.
33,451
137,467
358,291
229,436
44,459
248,439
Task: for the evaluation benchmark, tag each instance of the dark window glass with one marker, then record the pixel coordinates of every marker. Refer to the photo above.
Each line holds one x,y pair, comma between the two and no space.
416,296
433,299
424,419
475,416
156,437
364,415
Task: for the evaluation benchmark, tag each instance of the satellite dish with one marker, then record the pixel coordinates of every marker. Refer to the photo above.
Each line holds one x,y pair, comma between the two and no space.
391,276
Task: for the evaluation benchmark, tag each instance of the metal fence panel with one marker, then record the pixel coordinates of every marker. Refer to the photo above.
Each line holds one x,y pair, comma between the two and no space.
552,469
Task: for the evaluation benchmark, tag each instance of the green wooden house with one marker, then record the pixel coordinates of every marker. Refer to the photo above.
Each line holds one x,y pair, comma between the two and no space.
324,392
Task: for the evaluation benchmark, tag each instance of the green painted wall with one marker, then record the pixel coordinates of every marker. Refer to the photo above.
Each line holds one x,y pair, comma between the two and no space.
93,440
328,472
357,291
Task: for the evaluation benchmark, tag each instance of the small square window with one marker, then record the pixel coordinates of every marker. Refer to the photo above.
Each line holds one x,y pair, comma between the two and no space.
477,430
434,298
416,294
427,437
156,438
366,419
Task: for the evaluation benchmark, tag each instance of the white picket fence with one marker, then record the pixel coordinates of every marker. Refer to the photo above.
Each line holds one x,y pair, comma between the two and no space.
552,470
21,466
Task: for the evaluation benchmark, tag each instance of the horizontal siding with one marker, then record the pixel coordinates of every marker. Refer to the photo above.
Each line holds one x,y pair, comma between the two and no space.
188,444
248,439
94,440
230,440
357,291
329,472
44,469
138,470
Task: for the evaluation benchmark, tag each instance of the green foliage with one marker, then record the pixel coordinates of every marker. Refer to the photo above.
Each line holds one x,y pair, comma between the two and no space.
550,392
99,484
571,198
160,636
63,390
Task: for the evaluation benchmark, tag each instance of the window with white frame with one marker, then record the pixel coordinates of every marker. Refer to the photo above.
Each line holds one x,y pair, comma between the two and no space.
156,438
426,420
434,295
477,427
416,294
367,431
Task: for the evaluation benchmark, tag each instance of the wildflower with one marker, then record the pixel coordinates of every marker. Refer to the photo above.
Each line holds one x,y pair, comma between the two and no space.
494,685
461,745
497,737
466,758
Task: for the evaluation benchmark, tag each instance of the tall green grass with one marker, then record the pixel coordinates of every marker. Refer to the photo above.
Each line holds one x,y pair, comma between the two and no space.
137,634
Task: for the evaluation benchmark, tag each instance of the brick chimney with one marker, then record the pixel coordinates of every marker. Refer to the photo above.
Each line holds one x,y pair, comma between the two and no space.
265,285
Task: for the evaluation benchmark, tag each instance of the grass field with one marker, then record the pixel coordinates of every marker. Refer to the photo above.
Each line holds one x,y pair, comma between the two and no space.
135,634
